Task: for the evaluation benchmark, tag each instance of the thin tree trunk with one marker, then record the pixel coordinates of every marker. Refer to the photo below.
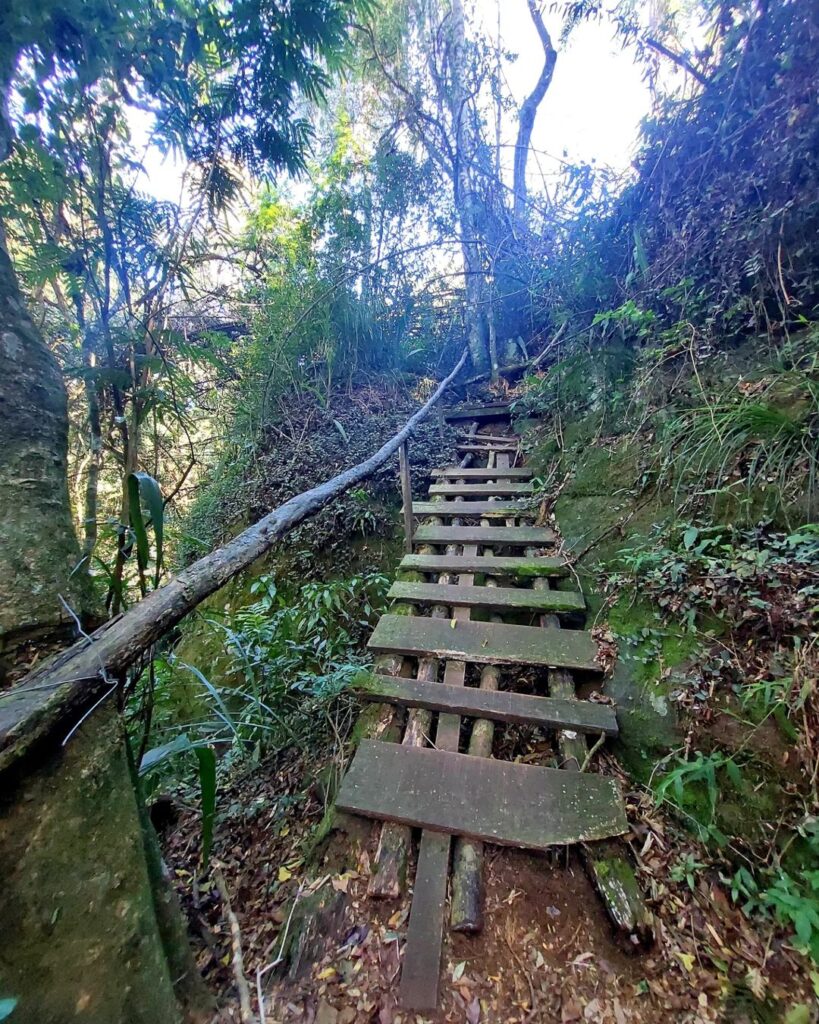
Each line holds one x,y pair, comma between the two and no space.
526,120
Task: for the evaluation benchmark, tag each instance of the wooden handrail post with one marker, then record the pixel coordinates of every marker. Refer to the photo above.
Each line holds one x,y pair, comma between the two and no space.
406,496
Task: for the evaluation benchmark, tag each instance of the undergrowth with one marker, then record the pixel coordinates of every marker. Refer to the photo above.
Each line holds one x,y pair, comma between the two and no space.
286,665
752,599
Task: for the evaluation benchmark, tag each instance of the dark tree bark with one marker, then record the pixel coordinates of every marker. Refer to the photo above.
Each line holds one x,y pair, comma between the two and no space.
526,120
38,545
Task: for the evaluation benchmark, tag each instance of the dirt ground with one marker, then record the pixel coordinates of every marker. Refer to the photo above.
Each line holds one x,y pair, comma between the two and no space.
547,952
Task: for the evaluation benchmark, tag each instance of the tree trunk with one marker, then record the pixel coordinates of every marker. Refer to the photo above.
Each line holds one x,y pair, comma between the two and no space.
526,121
38,546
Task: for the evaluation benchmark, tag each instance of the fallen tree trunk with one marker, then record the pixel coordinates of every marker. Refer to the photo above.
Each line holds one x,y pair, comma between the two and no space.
73,679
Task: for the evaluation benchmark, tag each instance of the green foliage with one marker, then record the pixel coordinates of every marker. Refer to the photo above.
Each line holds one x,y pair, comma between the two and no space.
763,435
285,661
143,488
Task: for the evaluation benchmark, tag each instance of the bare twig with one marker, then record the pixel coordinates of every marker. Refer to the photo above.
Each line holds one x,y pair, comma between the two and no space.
248,1017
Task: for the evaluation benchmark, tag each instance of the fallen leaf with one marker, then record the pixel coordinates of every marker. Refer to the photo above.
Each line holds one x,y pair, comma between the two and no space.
285,874
459,970
687,960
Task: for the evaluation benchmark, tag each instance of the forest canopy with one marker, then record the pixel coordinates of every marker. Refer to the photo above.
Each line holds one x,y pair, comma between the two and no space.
347,203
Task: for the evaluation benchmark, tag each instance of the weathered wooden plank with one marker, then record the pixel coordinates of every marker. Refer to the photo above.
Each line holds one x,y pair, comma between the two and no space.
501,488
483,473
470,448
501,598
499,705
477,412
500,802
485,643
422,957
490,438
500,536
530,567
464,509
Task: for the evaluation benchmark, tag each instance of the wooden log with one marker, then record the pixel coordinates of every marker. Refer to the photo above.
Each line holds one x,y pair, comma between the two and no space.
69,683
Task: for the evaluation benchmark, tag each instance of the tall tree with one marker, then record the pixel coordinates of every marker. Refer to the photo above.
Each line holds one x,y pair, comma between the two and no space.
223,87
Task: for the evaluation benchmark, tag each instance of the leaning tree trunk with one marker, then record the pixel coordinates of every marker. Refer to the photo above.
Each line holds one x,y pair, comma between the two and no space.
38,546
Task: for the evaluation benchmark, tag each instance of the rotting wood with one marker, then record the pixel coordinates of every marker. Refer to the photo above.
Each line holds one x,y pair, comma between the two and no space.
70,682
473,509
501,706
528,567
500,802
422,955
485,642
486,536
606,862
501,598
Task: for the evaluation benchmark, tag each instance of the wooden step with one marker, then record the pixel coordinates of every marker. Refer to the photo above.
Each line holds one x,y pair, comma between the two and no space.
490,438
498,802
484,449
488,536
531,567
501,488
451,509
473,473
499,705
500,598
485,642
477,412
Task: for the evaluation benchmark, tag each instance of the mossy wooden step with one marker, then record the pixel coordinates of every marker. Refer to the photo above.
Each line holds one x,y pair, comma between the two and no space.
500,488
484,642
482,473
488,536
477,412
453,509
500,598
522,567
500,802
498,705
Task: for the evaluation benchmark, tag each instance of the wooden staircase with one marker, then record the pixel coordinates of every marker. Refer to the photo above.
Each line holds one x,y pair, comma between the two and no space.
476,591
